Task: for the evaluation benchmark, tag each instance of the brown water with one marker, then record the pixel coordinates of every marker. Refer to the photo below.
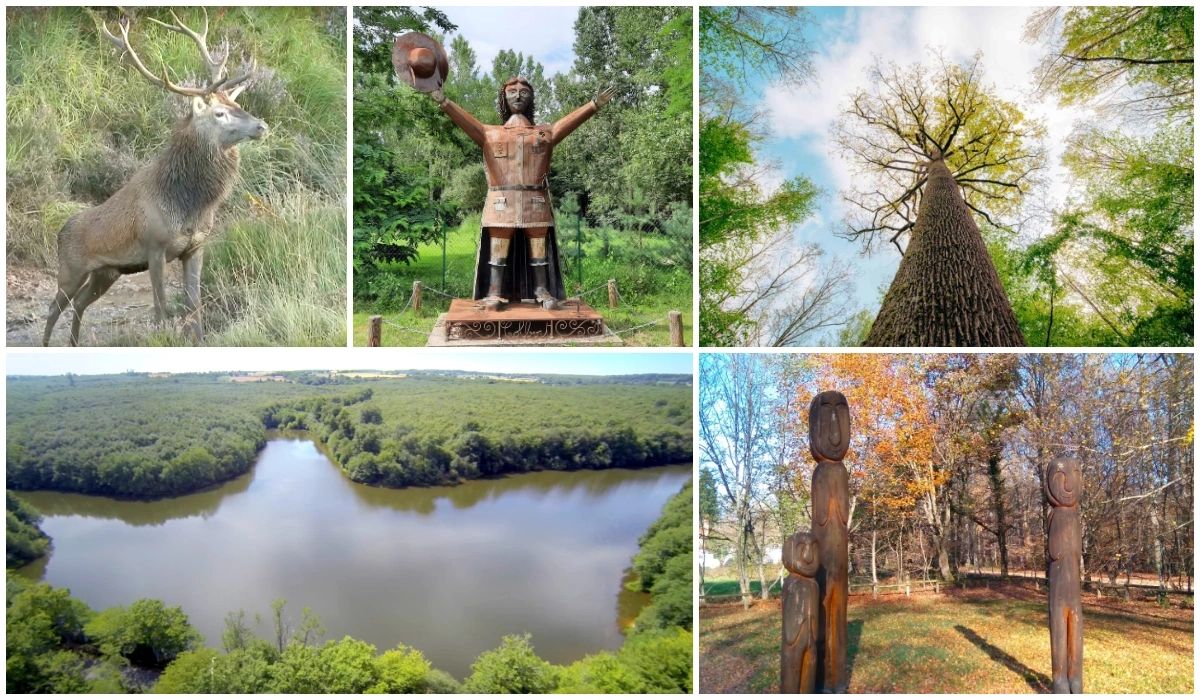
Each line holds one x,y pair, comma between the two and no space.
446,570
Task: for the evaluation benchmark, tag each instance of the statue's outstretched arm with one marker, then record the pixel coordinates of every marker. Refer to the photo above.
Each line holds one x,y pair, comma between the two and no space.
563,127
464,119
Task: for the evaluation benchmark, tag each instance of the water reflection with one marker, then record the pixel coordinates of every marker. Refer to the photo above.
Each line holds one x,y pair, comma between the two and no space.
447,570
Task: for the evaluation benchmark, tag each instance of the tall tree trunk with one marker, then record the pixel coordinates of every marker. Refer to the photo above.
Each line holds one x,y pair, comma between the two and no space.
946,291
874,575
996,479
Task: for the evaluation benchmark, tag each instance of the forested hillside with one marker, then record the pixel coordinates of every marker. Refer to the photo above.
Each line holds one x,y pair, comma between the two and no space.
146,437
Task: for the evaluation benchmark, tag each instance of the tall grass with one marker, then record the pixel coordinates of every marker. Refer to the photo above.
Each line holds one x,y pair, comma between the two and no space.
81,121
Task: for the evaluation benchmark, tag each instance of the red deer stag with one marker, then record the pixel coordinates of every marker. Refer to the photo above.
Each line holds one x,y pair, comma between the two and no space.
165,212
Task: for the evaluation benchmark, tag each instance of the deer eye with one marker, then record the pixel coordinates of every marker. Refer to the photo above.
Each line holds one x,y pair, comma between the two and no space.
220,113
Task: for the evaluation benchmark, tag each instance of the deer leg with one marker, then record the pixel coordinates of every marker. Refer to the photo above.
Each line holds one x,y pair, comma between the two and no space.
193,262
158,261
68,286
98,283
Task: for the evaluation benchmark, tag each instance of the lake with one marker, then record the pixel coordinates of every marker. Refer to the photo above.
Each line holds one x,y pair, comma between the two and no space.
446,570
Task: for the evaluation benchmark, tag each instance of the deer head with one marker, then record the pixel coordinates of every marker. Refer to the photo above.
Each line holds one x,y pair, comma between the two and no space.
216,116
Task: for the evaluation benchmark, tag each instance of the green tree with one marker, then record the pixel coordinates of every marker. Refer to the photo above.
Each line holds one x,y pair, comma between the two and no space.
147,632
24,540
401,670
513,667
1135,60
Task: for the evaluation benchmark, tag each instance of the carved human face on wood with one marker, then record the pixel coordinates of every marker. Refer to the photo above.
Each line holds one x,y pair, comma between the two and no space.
829,426
1064,482
801,555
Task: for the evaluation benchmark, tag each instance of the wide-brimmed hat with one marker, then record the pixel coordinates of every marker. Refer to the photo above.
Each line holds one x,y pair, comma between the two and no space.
420,61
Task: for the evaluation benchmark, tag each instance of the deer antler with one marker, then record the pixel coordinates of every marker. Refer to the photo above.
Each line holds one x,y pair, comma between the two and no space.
216,69
217,81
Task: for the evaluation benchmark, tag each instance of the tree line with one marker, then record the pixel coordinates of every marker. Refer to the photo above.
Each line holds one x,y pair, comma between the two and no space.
56,643
136,436
393,443
947,461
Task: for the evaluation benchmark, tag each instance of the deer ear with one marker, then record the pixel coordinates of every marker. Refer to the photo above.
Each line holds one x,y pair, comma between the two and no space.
199,105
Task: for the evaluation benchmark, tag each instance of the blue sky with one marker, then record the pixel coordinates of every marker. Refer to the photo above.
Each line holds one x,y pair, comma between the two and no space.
548,361
546,33
846,41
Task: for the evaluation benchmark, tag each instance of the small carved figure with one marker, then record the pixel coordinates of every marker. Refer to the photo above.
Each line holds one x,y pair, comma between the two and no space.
1064,487
801,615
829,438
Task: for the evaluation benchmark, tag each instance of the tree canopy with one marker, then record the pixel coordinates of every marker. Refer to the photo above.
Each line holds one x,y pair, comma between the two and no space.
914,114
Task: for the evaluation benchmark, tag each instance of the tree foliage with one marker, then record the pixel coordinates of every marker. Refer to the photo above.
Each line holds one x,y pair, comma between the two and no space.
183,433
1136,61
24,540
894,128
756,288
1121,253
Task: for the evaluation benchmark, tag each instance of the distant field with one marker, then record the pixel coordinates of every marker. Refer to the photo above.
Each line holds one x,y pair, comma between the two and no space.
973,641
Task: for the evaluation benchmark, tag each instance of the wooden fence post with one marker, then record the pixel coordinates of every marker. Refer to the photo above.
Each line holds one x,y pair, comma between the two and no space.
374,331
612,294
416,297
675,324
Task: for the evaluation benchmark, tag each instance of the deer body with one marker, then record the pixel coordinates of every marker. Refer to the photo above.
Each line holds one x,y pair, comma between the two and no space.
166,210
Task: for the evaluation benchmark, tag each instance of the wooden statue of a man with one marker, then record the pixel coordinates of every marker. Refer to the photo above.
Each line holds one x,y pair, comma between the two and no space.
801,615
1064,487
828,439
516,161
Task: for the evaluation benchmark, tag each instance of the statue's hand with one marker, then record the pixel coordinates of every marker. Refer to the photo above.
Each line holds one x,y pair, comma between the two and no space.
438,96
603,97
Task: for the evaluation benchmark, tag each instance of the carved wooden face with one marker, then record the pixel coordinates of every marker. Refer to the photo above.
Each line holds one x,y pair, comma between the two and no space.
1064,482
829,426
801,554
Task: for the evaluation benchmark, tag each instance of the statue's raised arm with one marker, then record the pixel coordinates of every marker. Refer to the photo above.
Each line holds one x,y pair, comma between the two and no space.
564,126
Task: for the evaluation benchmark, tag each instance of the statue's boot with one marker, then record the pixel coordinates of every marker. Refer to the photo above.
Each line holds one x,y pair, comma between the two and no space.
495,301
541,266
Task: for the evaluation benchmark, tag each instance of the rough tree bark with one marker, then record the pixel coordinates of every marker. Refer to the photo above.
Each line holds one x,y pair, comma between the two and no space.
946,292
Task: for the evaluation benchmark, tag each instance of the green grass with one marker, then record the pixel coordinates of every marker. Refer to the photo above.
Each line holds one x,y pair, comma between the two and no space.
974,641
647,291
80,122
729,587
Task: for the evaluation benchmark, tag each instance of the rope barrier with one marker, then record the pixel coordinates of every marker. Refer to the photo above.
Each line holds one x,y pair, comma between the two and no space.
436,291
406,328
627,330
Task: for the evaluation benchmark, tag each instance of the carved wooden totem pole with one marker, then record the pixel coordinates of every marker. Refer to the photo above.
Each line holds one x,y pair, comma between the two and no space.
1064,487
828,439
801,615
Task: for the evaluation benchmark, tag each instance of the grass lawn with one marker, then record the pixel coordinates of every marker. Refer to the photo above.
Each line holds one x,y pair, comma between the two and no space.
966,641
409,329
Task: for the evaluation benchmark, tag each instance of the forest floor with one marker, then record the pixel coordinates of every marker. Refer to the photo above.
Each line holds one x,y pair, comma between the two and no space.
978,640
403,327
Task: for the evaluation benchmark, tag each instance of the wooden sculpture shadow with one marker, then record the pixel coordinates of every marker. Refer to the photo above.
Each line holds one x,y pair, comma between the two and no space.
1040,682
853,637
